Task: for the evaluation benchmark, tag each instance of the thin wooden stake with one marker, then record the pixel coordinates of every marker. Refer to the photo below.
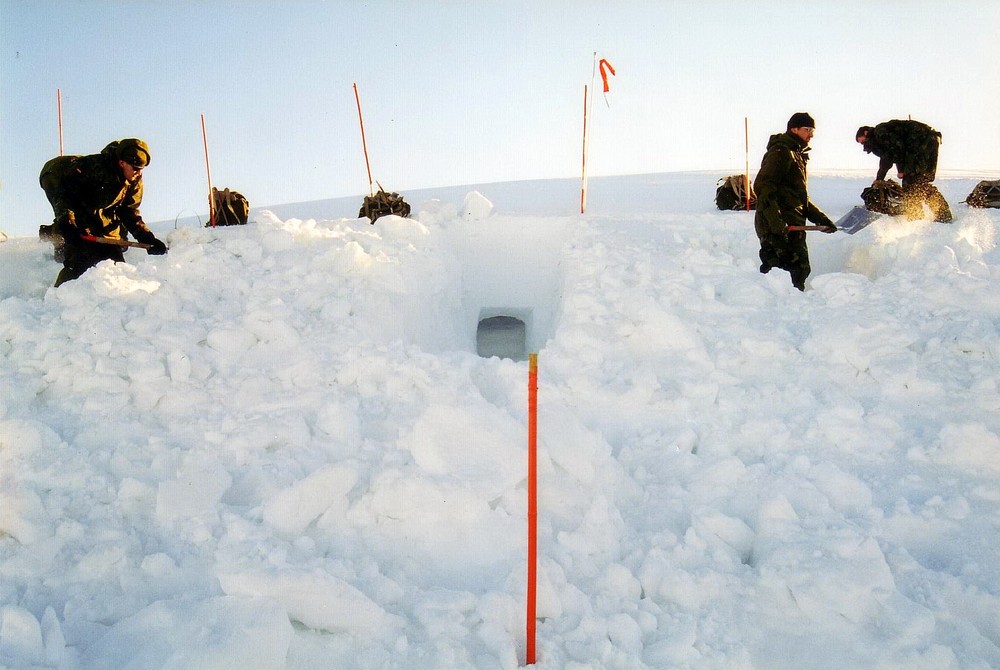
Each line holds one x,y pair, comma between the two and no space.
583,184
208,169
532,506
59,113
746,137
586,134
364,145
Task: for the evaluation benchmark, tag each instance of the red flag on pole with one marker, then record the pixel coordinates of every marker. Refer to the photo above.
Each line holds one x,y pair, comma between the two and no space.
605,68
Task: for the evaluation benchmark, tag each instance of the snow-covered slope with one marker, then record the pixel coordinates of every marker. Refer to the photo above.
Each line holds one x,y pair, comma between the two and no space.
277,446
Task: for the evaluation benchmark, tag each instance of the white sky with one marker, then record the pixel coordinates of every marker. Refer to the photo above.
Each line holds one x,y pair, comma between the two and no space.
462,92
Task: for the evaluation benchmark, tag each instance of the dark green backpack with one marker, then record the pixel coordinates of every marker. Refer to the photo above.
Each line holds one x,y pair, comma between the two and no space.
231,208
884,197
985,194
731,193
383,203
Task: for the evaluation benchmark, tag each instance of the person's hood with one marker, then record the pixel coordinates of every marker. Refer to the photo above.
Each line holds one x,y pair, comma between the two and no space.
788,141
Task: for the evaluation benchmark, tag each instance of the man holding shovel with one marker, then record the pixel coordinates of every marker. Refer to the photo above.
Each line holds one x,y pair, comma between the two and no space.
783,204
95,200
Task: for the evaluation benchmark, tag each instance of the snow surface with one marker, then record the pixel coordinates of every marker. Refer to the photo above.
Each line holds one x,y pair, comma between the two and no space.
276,447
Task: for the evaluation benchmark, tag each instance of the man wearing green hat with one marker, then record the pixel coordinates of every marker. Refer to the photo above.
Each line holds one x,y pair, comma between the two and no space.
98,196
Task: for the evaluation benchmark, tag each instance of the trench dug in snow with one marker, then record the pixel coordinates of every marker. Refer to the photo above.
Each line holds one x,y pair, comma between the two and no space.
511,284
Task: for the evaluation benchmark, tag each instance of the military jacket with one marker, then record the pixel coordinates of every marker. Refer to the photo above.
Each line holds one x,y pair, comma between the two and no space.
911,146
95,191
782,187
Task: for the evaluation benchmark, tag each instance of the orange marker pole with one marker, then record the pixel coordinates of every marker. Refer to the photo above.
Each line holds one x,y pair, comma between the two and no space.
59,112
208,169
583,186
746,138
364,145
532,504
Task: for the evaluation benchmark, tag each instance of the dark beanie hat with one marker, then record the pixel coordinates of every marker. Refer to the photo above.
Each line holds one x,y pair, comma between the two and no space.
862,130
801,120
134,152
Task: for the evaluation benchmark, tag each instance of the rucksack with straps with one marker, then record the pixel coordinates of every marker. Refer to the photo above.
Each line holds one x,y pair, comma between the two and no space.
383,203
985,194
231,208
731,193
884,197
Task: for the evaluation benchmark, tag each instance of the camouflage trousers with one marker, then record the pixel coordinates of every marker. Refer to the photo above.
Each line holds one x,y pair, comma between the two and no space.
787,252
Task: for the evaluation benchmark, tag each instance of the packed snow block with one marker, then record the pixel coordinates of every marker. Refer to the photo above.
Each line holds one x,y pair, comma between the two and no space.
195,492
230,341
21,644
22,514
27,643
572,446
318,600
476,207
224,632
293,509
339,420
476,446
967,446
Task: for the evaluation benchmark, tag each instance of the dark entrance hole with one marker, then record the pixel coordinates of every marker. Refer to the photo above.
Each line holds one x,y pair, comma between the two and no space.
502,336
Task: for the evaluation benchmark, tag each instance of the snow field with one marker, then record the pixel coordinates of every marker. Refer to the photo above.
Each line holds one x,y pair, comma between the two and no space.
276,447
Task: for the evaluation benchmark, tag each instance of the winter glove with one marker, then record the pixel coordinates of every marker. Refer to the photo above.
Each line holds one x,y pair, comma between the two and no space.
156,248
828,227
65,225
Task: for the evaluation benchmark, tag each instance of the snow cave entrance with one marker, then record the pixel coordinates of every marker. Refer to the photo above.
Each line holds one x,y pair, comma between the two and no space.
503,335
512,281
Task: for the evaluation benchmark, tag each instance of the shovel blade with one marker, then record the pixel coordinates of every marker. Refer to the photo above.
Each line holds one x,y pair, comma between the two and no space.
855,220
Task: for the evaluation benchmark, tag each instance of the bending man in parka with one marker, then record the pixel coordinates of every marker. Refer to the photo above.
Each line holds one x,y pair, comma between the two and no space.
913,148
98,195
783,201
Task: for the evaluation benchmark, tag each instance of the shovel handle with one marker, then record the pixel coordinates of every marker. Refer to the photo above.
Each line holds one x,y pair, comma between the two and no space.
114,241
804,228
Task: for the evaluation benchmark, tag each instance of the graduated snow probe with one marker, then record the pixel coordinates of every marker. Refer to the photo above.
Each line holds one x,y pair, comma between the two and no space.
529,655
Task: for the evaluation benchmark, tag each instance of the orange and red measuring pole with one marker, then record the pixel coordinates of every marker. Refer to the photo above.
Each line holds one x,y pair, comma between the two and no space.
532,507
208,169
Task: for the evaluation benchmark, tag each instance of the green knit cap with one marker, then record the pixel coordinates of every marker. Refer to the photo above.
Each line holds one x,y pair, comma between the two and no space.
134,152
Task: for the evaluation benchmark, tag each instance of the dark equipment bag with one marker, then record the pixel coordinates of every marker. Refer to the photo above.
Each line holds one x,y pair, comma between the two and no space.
383,203
731,193
884,197
985,194
231,208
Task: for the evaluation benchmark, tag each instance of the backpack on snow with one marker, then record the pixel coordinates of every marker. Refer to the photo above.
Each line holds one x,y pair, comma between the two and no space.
731,193
231,208
985,194
884,197
383,203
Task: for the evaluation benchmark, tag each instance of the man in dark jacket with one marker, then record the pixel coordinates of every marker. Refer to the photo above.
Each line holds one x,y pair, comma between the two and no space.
783,201
98,196
913,148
